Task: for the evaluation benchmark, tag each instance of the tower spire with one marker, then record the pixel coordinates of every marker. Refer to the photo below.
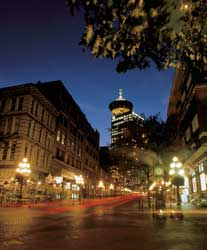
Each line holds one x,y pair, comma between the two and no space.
120,95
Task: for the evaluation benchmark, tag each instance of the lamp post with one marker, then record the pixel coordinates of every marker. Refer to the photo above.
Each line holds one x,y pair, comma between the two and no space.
80,182
177,176
111,188
23,171
101,187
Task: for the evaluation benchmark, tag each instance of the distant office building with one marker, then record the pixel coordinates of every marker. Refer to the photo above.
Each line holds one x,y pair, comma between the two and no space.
188,105
125,124
43,123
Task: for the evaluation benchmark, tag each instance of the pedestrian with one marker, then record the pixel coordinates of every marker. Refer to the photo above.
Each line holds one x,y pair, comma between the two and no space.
141,203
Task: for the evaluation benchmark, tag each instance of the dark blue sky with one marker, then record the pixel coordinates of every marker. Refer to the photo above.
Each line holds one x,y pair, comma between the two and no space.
39,41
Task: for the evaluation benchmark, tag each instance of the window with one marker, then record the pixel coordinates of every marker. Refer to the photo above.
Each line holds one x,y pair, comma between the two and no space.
187,134
5,150
46,161
194,185
48,142
202,177
30,155
33,131
32,107
58,135
9,125
29,128
13,149
51,122
36,110
200,168
25,151
195,124
37,159
16,125
60,154
48,119
43,113
40,135
46,136
20,105
63,139
13,104
43,160
203,181
3,102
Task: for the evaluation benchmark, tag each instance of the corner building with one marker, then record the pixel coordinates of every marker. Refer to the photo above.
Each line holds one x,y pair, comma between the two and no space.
43,123
188,105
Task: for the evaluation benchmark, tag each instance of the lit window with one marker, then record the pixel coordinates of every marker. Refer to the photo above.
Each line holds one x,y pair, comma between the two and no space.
203,181
200,168
63,139
194,184
58,135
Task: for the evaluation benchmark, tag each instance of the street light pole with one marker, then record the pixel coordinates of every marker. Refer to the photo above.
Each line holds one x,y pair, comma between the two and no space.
23,170
101,186
80,182
177,176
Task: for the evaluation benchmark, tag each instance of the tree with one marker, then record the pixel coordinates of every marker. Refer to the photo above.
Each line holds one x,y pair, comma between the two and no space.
138,32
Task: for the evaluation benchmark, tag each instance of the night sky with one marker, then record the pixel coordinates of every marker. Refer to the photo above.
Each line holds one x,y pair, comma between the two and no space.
39,42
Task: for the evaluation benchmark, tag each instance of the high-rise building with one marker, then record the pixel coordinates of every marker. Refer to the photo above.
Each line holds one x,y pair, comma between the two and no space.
125,123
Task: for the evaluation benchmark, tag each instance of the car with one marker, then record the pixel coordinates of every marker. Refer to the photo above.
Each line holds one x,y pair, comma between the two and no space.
202,202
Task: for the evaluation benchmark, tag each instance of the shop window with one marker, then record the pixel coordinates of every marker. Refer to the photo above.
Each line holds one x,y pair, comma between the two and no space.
194,185
203,181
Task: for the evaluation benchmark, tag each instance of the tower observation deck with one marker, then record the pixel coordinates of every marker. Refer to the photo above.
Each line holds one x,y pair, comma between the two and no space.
120,105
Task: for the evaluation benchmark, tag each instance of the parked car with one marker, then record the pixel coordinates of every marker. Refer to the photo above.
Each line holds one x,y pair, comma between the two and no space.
201,202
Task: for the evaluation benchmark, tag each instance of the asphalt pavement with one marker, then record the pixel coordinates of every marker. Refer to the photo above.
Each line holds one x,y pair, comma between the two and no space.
113,223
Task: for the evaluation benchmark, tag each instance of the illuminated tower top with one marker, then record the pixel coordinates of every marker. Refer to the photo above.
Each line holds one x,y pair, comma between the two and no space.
120,105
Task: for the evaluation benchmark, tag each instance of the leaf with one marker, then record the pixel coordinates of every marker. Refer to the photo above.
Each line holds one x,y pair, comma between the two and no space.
89,33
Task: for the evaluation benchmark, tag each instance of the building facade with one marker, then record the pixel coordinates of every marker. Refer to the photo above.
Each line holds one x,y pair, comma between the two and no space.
188,105
43,123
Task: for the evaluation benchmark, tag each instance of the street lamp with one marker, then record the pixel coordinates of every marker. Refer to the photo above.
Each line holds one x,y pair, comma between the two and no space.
101,186
79,181
23,171
111,188
177,173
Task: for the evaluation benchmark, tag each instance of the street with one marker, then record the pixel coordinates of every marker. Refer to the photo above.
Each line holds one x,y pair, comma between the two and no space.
104,224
